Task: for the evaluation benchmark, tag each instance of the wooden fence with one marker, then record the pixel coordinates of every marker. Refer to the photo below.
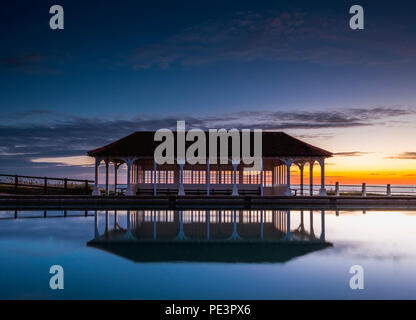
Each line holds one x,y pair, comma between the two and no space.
18,183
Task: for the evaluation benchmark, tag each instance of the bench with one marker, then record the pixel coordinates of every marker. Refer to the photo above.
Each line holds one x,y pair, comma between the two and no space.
167,191
249,192
159,191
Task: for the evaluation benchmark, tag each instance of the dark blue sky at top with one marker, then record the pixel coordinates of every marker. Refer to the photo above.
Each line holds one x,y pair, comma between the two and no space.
105,62
125,65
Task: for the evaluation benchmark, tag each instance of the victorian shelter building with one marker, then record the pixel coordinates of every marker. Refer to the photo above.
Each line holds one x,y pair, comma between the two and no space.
280,152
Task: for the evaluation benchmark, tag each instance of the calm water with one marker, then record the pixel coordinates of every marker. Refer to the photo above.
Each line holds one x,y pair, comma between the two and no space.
269,254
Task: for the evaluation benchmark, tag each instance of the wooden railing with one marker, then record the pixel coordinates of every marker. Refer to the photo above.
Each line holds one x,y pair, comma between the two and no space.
18,183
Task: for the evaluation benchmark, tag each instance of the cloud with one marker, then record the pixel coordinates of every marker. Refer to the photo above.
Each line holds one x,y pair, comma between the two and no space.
5,152
34,62
282,120
19,61
64,141
276,36
83,161
404,156
32,116
351,153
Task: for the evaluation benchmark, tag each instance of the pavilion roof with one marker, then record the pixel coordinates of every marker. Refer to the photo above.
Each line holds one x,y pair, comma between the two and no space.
232,252
274,144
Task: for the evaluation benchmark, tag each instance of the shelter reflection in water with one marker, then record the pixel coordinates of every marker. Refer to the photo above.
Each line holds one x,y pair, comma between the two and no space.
210,235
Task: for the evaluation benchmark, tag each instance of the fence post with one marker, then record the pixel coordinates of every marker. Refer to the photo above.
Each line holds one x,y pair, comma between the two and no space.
389,190
45,185
364,191
86,186
337,189
16,182
65,184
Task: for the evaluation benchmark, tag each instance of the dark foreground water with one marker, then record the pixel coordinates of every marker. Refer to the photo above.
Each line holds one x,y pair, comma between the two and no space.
199,254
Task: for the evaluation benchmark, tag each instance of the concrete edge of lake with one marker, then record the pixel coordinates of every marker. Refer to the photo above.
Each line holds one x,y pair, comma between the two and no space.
214,202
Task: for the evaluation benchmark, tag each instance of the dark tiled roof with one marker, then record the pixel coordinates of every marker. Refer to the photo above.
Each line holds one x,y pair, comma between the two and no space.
275,144
238,251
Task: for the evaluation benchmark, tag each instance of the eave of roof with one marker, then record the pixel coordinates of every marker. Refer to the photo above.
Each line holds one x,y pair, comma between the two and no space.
274,144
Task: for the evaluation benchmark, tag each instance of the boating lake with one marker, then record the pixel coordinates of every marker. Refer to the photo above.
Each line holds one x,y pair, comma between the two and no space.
208,254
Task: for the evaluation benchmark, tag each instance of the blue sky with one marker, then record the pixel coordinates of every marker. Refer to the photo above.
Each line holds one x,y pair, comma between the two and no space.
132,65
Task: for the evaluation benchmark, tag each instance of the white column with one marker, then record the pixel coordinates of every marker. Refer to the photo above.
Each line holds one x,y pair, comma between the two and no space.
116,166
181,235
96,191
96,233
207,219
154,178
301,165
106,222
235,189
181,189
154,225
301,226
207,177
128,234
107,165
261,224
261,178
288,233
288,163
322,191
311,176
234,235
115,220
129,163
311,232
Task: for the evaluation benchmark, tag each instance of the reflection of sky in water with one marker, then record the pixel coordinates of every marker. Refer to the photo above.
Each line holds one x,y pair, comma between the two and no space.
382,242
